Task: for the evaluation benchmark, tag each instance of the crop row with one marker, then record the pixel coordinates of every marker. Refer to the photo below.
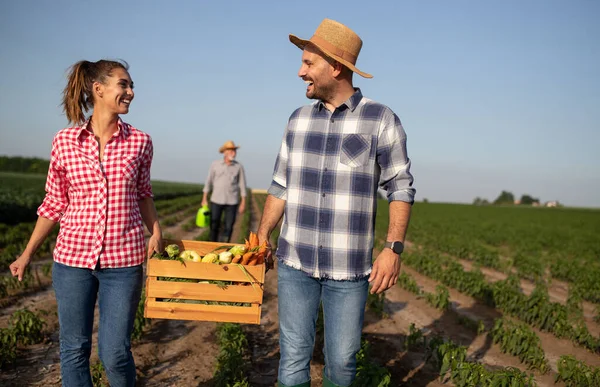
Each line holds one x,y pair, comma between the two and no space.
507,295
25,328
528,241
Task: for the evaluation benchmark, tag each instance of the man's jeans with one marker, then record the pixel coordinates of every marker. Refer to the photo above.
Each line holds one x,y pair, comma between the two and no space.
343,310
215,221
118,292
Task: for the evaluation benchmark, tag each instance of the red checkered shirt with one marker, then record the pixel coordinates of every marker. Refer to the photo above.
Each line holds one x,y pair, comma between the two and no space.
97,203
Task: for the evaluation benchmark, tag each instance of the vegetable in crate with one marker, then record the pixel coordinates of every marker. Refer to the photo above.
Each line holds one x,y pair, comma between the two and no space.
172,250
210,258
225,257
190,255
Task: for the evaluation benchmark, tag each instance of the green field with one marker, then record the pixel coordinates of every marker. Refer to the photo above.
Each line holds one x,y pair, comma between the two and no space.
540,245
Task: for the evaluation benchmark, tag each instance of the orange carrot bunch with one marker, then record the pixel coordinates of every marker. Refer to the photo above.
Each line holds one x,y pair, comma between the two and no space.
255,252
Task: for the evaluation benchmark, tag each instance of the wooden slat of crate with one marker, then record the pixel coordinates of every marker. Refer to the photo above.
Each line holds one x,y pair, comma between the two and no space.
220,313
203,292
206,271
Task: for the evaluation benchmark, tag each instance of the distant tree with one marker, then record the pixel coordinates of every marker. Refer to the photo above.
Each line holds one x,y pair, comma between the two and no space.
505,198
480,202
529,200
425,200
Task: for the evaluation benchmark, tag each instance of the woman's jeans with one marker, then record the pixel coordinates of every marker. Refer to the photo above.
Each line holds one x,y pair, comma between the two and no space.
118,292
343,311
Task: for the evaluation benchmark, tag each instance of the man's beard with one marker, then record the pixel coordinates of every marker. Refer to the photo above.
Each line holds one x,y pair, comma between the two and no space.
323,93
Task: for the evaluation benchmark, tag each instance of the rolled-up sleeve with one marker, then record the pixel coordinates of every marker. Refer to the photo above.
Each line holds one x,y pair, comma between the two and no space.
279,184
144,186
393,160
56,200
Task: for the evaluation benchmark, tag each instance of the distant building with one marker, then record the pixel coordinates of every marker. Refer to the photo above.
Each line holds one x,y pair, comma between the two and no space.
553,203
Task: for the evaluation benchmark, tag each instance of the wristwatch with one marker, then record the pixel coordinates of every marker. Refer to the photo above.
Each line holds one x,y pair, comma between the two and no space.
396,246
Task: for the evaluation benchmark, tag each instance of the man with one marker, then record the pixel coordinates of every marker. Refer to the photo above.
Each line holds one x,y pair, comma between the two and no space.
334,155
227,181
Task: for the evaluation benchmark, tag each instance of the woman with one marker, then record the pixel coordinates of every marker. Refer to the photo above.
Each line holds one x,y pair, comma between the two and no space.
98,188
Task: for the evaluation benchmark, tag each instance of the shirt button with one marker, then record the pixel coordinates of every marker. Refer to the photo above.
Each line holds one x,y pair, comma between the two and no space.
325,169
320,246
323,195
332,120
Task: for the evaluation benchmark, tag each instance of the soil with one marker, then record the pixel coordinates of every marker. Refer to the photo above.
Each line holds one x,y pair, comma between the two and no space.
183,353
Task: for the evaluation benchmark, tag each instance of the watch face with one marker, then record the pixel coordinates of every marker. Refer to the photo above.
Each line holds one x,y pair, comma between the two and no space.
397,247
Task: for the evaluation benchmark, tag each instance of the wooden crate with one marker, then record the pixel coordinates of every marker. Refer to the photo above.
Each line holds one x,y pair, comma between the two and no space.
246,288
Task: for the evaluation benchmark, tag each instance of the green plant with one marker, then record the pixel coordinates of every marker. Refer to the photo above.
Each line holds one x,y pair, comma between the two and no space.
575,373
451,359
8,347
98,376
3,290
407,282
369,373
440,299
414,337
232,362
376,304
27,326
520,340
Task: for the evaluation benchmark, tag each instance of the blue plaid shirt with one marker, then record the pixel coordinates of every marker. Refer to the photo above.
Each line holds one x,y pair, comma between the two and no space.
328,170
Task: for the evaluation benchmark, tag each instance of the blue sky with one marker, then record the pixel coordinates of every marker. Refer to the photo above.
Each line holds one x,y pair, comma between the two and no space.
494,95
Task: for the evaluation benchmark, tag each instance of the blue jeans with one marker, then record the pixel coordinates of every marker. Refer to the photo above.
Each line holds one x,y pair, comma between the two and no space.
230,211
118,292
299,297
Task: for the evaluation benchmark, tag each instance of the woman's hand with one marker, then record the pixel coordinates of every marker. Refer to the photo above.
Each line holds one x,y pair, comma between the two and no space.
155,244
17,268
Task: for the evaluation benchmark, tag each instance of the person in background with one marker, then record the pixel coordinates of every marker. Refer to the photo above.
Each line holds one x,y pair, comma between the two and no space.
226,183
98,188
334,155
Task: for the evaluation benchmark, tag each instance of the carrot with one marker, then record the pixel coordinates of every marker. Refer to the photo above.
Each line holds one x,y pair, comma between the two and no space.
260,258
253,240
236,259
246,257
263,248
253,261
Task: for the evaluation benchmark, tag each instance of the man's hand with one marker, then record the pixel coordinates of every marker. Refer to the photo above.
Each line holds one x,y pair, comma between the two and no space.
269,254
155,244
385,271
17,268
242,208
204,202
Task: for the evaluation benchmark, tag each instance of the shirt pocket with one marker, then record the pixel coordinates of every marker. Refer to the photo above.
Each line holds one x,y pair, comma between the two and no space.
356,149
130,168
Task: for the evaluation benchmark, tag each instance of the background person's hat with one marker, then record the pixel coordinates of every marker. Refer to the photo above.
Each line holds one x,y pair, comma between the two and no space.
337,42
228,145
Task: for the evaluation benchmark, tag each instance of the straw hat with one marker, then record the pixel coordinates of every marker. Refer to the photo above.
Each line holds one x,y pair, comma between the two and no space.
228,145
337,42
